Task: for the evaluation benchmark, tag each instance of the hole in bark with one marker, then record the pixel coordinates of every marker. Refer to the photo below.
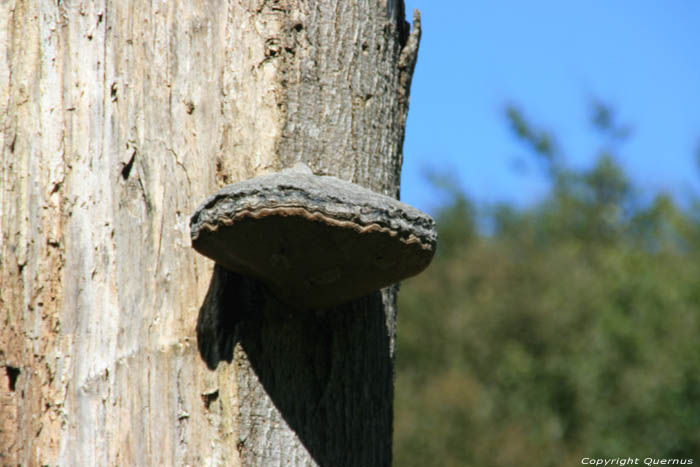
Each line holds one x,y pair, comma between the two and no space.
12,374
126,170
210,397
113,92
272,47
298,27
12,144
56,187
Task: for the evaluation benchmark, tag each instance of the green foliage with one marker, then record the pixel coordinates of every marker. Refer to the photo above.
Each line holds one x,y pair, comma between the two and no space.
570,331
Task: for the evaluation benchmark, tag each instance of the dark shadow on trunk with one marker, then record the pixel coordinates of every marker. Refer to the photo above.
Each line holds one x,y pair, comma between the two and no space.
328,373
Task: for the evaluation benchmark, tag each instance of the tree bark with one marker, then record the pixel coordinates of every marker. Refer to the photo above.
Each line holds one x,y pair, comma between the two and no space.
116,120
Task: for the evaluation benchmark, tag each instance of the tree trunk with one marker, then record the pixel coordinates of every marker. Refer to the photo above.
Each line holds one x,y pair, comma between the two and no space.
116,120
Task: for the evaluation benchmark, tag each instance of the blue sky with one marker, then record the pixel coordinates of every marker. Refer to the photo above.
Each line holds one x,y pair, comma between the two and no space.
551,58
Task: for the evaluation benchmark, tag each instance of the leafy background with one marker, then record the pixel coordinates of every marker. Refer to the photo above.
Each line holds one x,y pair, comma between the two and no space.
560,330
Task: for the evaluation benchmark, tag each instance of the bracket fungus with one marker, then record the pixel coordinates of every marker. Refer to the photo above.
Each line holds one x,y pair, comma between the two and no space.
314,241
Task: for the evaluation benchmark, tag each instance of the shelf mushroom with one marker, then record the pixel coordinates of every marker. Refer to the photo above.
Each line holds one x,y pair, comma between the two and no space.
314,241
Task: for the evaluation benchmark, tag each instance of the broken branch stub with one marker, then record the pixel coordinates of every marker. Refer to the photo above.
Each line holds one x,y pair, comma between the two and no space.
315,241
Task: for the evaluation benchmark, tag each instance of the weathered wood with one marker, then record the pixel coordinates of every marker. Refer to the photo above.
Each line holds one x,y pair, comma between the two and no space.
116,120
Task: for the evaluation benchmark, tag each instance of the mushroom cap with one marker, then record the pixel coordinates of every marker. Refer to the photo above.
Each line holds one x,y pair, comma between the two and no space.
315,241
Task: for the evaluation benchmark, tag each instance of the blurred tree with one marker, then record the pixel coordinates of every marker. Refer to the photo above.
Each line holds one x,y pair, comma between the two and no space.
570,330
